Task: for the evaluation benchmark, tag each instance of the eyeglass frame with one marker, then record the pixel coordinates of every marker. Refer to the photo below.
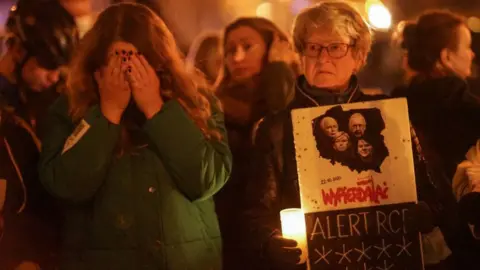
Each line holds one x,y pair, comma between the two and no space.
349,46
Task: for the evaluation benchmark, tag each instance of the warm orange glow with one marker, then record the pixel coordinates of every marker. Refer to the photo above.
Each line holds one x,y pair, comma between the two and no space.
474,24
293,227
265,10
378,14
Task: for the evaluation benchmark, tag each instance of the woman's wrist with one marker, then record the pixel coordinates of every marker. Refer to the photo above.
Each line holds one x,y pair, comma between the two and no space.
112,115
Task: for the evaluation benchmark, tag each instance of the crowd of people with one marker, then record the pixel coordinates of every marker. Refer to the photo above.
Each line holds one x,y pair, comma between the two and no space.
116,153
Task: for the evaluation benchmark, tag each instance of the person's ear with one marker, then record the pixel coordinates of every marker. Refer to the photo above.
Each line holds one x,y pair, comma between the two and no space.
360,60
445,60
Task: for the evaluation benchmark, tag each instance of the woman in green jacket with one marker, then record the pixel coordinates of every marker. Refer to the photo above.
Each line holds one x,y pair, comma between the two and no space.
135,152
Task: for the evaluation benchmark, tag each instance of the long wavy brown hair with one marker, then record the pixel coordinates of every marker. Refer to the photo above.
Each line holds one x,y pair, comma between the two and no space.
267,30
138,25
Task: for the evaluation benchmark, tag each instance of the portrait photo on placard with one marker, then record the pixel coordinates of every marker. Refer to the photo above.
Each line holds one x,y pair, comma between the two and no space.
352,138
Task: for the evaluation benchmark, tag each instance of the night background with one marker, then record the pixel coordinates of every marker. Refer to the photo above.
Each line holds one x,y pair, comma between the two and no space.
187,18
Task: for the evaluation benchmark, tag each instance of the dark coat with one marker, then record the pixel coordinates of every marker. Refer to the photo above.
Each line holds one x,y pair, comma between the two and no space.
243,108
445,113
276,180
30,214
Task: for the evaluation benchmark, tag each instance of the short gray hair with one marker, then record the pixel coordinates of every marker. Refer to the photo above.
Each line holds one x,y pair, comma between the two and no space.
339,16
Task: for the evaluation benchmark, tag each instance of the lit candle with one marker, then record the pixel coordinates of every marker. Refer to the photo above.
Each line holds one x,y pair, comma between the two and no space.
293,227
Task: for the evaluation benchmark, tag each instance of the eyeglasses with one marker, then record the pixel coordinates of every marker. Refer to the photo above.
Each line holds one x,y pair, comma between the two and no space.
334,50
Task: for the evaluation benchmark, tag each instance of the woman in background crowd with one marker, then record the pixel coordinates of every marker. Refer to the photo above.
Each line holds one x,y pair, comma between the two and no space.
443,113
135,151
333,41
30,78
206,55
405,73
467,178
258,77
83,13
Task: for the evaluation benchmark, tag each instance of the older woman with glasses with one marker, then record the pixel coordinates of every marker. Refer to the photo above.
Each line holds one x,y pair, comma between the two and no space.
333,41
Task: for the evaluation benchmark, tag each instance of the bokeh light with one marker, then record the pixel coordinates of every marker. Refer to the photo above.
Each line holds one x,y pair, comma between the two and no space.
379,16
474,24
265,10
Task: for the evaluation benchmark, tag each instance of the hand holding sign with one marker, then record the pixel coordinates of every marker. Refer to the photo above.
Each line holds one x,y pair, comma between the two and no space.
420,218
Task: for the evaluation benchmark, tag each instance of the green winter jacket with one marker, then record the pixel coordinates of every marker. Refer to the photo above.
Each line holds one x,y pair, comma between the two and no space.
151,209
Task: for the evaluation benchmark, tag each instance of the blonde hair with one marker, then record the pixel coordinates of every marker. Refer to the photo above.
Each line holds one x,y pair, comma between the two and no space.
124,22
338,16
200,50
323,122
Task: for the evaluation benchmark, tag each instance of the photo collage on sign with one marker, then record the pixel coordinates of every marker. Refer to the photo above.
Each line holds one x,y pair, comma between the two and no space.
352,138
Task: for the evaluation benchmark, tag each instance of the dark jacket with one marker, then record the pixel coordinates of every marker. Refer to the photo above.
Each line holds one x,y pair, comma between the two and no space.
151,208
31,217
444,114
470,203
276,182
243,108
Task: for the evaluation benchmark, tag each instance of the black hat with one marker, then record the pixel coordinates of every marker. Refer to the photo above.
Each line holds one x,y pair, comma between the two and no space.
45,29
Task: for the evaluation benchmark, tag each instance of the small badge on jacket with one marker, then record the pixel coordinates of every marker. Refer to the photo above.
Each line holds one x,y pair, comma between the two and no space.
77,134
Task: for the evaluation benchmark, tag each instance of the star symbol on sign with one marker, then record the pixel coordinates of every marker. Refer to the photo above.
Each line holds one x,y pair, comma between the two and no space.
385,267
344,255
323,255
363,252
383,249
404,247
